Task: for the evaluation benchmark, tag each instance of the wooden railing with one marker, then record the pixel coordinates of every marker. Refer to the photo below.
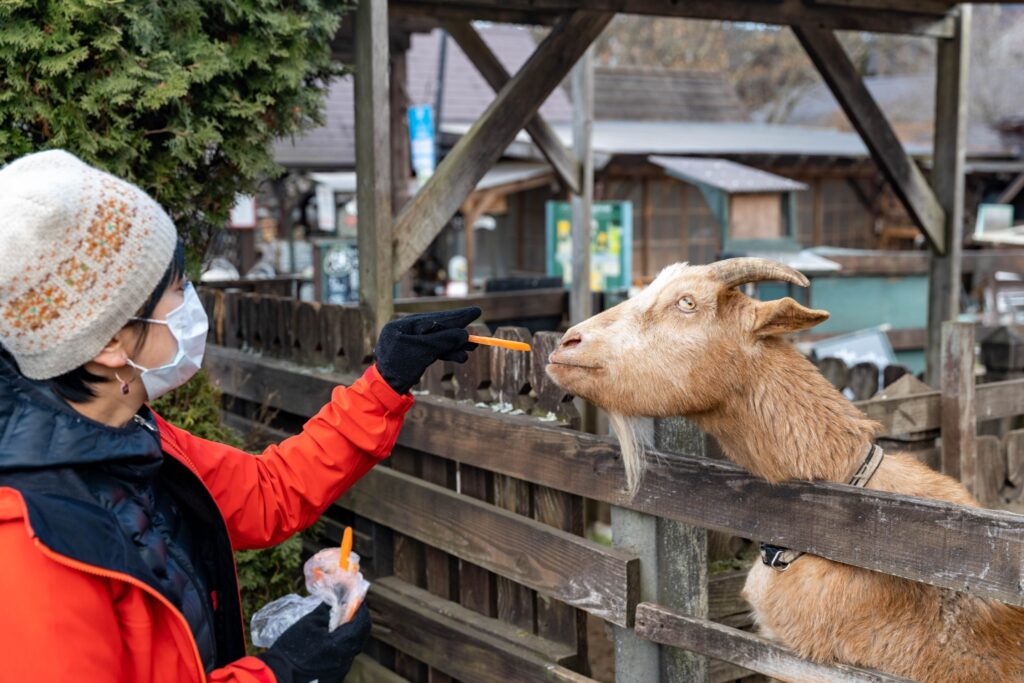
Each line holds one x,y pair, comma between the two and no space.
474,533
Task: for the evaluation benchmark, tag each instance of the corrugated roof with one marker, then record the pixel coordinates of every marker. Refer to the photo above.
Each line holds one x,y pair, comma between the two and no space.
725,175
908,101
332,146
643,138
647,94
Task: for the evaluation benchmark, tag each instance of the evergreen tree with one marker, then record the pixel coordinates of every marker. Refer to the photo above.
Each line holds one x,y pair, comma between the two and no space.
182,97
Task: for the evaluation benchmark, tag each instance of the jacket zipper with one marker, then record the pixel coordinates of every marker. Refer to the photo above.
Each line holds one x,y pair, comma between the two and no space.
96,571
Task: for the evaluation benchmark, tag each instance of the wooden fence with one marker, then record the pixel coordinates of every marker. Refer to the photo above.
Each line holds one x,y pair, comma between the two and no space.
474,536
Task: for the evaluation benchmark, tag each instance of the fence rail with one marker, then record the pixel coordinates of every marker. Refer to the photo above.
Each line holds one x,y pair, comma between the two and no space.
484,494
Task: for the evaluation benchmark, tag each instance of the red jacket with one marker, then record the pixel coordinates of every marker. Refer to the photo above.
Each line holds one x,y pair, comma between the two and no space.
65,620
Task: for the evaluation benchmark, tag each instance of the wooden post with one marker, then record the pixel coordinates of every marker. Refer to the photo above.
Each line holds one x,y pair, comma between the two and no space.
401,152
959,420
682,558
948,180
580,301
373,167
673,572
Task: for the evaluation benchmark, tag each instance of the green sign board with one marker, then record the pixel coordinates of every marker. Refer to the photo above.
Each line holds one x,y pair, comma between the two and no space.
611,244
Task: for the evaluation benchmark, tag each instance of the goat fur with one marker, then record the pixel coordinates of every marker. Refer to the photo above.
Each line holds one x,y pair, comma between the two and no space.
725,366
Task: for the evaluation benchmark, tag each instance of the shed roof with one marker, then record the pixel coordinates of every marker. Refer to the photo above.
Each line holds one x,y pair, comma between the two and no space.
643,138
725,175
466,95
651,94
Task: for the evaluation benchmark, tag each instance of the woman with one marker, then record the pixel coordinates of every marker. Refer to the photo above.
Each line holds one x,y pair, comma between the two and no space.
116,528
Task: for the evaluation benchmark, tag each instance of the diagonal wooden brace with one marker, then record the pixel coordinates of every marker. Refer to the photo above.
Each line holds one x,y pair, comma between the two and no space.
566,166
438,200
867,117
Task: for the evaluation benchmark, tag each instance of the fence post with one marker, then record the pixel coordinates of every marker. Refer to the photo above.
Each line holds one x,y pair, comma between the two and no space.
673,572
959,420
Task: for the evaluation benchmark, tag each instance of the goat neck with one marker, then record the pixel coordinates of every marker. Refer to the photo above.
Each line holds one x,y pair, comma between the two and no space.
788,421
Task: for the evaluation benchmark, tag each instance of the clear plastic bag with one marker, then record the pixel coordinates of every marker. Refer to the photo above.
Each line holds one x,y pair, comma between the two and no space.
342,589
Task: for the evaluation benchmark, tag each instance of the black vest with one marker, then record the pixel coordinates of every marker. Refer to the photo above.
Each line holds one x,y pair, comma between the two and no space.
112,499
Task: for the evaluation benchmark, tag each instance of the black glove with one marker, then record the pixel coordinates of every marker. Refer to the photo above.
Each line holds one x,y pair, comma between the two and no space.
307,651
409,345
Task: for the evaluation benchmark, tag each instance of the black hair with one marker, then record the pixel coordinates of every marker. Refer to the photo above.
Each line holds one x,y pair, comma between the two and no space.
76,385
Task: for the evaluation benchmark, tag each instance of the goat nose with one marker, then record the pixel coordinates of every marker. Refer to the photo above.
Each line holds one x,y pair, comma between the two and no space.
571,340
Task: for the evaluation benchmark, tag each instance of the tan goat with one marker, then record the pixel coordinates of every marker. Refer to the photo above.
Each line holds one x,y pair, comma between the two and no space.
691,344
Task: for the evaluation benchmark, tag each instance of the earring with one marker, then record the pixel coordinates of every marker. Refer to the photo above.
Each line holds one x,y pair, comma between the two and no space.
124,385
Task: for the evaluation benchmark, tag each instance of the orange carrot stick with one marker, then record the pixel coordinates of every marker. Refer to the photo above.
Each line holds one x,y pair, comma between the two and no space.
346,549
503,343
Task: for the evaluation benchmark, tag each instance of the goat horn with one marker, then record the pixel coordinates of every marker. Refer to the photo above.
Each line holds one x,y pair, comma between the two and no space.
739,271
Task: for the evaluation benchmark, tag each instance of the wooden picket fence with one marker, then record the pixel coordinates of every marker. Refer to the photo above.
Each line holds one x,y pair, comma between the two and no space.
473,535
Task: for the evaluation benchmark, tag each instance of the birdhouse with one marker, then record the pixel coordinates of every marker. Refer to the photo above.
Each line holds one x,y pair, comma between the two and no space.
754,209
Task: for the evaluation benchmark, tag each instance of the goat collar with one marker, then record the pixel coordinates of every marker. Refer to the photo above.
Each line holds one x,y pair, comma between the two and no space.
779,558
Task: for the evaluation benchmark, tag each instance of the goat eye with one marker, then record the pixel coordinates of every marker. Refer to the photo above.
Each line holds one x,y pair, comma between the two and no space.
687,304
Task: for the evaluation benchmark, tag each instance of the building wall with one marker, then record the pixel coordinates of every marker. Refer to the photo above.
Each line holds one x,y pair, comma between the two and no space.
671,222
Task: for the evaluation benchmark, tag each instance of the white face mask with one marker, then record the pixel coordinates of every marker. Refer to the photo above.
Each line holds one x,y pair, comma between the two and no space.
188,324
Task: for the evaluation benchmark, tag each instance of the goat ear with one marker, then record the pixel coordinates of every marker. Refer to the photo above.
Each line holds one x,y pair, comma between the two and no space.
783,316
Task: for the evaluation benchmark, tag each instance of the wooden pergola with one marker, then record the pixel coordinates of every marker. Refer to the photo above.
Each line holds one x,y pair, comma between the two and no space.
393,236
395,230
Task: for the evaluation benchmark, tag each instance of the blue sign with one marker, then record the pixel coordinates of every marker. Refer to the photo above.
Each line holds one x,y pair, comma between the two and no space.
421,136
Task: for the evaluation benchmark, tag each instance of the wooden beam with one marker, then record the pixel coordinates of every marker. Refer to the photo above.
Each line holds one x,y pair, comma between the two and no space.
979,551
373,167
945,269
959,420
1012,190
905,17
459,642
581,302
566,166
456,176
498,306
604,581
906,178
667,627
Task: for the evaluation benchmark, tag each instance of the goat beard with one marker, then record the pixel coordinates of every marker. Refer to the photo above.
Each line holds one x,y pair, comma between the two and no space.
636,436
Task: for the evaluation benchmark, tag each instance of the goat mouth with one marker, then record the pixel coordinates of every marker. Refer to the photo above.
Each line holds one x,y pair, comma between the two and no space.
575,365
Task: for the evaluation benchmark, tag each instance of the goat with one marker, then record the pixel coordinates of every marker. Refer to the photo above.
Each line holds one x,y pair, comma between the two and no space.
691,344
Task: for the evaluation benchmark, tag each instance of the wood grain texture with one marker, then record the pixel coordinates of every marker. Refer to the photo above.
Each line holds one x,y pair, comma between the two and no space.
724,598
907,16
565,566
959,420
948,163
496,306
666,627
373,169
442,568
1015,464
979,551
990,469
459,642
557,620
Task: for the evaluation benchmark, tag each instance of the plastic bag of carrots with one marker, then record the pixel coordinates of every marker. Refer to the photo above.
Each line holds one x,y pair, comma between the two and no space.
332,576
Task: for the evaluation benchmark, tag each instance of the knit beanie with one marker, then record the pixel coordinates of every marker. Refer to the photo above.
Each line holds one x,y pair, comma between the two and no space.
80,252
